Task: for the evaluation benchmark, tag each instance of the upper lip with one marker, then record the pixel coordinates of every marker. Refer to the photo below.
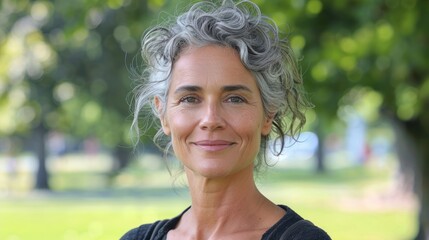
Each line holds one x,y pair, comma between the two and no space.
213,142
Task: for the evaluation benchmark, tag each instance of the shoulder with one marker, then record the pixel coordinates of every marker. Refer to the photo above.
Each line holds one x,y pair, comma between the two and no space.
305,230
151,231
294,227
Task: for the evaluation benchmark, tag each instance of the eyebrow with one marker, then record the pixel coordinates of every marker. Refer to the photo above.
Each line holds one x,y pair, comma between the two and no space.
228,88
188,88
232,88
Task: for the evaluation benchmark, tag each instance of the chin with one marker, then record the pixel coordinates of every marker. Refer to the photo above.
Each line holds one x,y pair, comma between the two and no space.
212,172
216,171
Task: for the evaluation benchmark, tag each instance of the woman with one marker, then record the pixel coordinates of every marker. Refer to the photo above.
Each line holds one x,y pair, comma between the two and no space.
221,82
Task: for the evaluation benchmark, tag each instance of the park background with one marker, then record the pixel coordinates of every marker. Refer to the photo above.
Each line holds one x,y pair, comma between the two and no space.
68,166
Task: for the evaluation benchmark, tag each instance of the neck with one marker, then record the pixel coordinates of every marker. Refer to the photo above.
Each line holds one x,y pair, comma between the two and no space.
223,204
224,191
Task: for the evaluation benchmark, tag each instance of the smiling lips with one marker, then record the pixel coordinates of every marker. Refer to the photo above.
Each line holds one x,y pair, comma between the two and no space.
213,145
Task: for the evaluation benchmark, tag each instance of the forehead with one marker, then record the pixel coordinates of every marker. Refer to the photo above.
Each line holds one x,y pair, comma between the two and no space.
210,64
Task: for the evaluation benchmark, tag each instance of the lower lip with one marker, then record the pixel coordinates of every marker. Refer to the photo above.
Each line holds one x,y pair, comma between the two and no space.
213,148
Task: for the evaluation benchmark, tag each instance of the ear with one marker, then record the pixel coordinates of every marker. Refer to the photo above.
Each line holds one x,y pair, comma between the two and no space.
164,123
267,124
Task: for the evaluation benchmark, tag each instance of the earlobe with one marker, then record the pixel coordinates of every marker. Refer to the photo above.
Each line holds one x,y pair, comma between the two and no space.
266,127
159,106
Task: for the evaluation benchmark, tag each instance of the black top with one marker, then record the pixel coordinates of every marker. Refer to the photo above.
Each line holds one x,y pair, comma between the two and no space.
290,227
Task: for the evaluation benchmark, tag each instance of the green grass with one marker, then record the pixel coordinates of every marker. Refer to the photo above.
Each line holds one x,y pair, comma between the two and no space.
349,204
82,219
336,201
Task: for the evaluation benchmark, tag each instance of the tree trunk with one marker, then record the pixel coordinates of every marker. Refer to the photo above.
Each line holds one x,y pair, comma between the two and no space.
122,155
422,188
42,175
412,145
320,156
320,153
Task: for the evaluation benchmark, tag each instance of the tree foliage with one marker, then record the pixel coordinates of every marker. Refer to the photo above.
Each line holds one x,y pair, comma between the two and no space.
371,55
65,66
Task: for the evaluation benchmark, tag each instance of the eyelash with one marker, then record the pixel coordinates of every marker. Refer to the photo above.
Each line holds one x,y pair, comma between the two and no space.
229,99
187,98
241,99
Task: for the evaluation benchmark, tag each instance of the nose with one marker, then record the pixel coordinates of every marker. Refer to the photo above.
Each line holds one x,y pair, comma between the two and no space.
212,118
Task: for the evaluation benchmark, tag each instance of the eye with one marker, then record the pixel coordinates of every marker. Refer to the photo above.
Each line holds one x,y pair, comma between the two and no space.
235,99
189,99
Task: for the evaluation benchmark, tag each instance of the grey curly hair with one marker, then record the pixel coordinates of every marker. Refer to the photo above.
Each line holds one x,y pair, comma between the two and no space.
240,26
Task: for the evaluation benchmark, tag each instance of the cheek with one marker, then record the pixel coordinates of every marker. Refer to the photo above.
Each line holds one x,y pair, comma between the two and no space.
180,125
248,126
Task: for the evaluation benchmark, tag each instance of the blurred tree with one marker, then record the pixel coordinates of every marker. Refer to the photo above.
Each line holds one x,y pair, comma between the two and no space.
377,50
64,66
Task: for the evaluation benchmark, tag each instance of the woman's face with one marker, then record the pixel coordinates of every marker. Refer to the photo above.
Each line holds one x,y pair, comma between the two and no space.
214,112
